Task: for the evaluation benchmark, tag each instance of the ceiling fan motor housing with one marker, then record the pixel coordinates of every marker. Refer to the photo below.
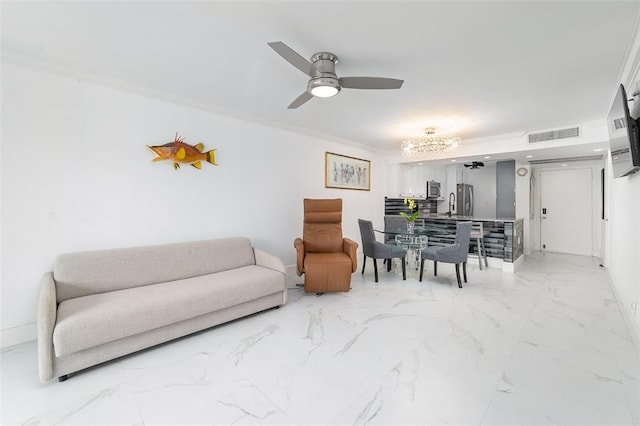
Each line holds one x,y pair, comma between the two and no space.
326,80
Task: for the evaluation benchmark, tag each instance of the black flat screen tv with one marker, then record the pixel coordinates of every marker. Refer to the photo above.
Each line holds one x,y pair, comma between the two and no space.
624,138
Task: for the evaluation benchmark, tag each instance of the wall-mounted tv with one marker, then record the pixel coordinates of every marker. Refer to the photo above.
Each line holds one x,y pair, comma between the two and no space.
624,138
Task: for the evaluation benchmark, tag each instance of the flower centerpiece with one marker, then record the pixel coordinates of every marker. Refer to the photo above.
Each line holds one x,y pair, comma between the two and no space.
413,214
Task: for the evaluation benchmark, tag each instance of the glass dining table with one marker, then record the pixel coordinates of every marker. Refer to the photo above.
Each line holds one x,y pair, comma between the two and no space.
414,242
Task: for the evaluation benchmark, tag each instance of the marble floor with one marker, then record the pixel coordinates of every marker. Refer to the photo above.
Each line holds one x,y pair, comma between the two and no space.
546,345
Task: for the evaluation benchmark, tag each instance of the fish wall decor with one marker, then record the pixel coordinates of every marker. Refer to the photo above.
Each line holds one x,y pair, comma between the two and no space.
180,152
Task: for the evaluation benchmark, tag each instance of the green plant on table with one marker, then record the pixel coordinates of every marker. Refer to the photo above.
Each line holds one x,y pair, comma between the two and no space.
412,206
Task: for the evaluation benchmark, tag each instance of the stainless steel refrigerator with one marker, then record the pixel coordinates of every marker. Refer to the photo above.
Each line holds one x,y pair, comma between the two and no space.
464,199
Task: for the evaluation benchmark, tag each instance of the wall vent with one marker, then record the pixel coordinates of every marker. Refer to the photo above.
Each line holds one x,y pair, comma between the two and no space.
566,159
572,132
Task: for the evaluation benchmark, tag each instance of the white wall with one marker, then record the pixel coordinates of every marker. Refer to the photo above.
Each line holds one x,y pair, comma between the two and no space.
623,260
76,175
623,209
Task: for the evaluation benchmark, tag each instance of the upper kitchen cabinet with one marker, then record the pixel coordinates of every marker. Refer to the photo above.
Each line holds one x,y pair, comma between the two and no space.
412,179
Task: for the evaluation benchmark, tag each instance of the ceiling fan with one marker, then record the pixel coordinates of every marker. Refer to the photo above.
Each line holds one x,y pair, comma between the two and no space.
324,82
474,164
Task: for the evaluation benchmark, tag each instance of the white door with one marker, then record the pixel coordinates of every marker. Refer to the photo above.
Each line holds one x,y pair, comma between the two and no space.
566,217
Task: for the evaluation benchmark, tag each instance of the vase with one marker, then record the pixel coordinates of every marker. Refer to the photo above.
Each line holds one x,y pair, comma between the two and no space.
410,226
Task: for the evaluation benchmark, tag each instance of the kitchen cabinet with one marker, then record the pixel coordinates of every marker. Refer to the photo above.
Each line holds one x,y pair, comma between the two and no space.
412,179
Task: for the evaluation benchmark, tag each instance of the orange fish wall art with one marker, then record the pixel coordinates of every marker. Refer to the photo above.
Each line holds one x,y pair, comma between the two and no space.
180,152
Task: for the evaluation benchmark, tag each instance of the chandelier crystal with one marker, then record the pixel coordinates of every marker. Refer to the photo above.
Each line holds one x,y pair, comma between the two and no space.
429,145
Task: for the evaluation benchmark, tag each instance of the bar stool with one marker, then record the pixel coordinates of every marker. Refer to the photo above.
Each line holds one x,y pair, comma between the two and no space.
478,233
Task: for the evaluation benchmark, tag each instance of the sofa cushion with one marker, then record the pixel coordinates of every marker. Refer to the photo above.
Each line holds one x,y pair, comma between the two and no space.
89,321
93,272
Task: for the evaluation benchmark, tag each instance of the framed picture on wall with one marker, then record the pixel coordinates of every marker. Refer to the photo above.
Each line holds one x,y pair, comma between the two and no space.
343,172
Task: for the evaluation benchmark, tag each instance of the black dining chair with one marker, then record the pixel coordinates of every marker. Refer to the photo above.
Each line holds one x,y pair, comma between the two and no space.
455,253
377,250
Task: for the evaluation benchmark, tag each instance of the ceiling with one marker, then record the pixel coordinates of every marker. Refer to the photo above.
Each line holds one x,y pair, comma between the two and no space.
475,68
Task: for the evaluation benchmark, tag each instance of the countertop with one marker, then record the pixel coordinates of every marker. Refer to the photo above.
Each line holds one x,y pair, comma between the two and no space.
444,216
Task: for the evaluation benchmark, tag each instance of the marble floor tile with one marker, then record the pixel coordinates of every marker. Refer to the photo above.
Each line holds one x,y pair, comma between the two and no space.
545,345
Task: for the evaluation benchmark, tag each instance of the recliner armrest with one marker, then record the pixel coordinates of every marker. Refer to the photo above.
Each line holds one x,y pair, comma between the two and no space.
299,245
47,313
350,247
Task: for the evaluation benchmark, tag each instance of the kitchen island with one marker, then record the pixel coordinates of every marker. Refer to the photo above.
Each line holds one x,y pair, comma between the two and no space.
504,242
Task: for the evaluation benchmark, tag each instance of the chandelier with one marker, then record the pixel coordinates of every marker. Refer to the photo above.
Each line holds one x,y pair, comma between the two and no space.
429,144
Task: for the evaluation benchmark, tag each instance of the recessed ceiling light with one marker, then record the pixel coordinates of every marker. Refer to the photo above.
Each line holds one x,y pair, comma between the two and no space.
487,156
529,156
453,161
564,164
420,164
597,149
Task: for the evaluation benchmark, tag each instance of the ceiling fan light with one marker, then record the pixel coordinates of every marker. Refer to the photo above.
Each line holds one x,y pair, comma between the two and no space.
324,91
324,87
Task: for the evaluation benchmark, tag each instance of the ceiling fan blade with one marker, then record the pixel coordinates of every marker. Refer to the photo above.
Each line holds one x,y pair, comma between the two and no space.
300,100
370,83
294,58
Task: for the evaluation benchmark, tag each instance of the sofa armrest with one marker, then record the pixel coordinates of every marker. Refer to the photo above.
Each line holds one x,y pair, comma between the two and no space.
350,247
269,261
299,245
47,309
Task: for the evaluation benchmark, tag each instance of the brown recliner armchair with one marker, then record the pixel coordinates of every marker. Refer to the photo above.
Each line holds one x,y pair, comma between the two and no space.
324,256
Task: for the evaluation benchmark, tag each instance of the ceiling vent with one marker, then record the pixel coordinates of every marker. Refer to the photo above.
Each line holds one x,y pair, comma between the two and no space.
551,135
566,159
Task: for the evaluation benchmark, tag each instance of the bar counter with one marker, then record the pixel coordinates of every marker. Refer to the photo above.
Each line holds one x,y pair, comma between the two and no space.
505,239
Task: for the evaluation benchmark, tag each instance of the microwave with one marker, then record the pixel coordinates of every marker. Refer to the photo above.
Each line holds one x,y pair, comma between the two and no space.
433,189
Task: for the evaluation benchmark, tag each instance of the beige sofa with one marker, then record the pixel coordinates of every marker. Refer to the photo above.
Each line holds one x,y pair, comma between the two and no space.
99,305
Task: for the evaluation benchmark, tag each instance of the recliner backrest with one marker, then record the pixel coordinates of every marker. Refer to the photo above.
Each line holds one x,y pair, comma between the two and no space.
322,229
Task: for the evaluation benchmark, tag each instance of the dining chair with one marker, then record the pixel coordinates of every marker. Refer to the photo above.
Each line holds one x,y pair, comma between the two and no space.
377,250
455,253
393,222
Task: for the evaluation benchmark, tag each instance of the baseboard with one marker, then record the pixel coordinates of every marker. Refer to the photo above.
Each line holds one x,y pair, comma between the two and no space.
16,335
494,262
627,314
513,267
